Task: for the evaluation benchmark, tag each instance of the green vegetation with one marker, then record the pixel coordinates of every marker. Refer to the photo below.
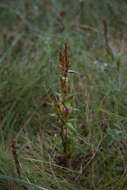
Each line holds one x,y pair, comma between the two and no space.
63,84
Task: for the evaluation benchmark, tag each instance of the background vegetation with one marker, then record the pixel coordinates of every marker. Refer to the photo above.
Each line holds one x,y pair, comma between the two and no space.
31,151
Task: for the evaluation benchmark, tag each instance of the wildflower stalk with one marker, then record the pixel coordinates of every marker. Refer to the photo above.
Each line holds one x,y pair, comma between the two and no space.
16,161
63,106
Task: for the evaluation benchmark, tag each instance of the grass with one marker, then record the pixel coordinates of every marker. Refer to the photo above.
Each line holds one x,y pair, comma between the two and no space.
31,146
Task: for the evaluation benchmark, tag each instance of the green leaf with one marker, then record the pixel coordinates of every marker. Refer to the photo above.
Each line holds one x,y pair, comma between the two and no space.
71,127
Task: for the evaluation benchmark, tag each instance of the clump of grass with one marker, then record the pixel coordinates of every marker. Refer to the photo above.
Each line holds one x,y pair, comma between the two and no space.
63,106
